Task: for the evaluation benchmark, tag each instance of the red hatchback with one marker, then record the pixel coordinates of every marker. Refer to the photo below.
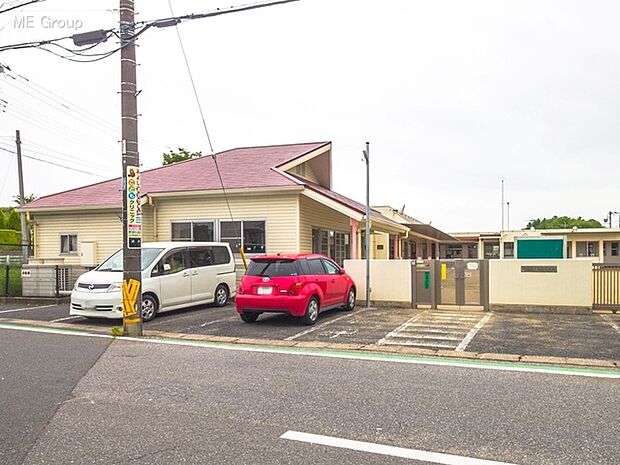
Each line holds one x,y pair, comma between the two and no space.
298,284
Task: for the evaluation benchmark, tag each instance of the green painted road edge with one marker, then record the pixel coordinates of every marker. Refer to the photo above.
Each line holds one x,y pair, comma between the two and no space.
329,353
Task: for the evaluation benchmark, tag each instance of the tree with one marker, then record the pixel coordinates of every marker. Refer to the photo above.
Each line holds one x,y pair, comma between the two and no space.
13,220
27,198
563,222
180,155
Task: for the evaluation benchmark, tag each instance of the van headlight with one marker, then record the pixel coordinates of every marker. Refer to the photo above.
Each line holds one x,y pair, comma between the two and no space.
115,287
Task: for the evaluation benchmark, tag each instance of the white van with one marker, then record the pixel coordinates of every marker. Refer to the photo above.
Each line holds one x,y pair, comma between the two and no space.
174,275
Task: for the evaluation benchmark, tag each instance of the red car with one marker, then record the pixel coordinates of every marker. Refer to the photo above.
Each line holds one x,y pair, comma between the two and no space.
301,285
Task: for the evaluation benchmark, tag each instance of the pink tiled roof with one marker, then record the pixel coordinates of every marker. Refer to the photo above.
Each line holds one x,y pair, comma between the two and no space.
249,167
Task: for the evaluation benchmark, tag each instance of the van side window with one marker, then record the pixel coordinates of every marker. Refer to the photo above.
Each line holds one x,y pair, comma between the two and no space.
315,266
220,255
202,256
170,264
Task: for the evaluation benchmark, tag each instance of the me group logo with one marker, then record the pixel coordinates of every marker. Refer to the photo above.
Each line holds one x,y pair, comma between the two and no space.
47,22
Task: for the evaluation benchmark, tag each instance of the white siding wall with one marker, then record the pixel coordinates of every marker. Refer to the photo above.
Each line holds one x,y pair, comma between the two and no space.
102,227
312,215
280,212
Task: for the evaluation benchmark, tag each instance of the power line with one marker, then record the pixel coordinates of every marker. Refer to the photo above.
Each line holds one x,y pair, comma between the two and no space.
52,163
20,6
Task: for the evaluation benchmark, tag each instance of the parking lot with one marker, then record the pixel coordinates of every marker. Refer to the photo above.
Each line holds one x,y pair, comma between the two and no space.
576,336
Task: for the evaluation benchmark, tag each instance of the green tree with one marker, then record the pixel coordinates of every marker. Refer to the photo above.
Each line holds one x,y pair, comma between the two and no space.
27,198
180,155
13,220
563,222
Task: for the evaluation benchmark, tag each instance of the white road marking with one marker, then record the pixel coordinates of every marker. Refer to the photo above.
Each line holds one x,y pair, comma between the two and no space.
340,333
402,327
218,321
384,358
611,323
467,339
57,320
24,309
381,449
419,344
322,325
427,336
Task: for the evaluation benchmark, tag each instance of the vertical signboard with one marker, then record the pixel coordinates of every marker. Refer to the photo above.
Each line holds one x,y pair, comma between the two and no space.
134,209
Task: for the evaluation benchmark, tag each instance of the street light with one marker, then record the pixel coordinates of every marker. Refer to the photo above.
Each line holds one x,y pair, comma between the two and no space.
367,159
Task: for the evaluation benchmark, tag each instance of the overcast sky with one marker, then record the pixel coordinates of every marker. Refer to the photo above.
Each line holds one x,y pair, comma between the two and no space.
453,96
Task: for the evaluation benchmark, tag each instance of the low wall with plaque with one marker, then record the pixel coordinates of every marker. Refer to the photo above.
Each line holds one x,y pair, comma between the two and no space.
549,286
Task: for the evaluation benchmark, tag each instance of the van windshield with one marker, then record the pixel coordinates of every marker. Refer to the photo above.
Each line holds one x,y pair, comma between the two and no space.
115,262
272,268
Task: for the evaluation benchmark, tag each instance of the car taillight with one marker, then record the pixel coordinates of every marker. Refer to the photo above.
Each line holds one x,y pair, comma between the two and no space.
295,288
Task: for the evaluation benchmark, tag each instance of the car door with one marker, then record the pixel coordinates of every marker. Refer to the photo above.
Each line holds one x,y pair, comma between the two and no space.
174,279
336,283
319,277
203,273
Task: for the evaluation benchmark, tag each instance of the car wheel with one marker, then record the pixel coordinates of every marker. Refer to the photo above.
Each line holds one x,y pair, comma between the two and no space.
312,311
249,317
221,295
149,307
350,303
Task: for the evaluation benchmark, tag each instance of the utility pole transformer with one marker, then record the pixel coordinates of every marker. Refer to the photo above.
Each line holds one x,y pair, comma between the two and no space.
24,224
132,211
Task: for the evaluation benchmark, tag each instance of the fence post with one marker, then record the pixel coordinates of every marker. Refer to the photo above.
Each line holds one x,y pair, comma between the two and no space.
57,270
7,282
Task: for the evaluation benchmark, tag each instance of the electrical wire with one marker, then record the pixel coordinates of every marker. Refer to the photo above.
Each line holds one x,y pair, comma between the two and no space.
20,6
52,163
6,176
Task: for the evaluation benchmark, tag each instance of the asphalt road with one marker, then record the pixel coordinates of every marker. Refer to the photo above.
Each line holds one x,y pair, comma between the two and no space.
581,336
148,403
37,374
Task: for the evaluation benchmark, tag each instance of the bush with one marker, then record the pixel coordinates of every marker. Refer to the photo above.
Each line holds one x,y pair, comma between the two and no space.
15,281
9,236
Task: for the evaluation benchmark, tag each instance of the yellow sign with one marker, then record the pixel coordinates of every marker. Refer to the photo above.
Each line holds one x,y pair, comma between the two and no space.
444,271
131,291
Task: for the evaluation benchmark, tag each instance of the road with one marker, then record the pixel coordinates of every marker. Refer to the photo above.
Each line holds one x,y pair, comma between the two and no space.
146,402
582,336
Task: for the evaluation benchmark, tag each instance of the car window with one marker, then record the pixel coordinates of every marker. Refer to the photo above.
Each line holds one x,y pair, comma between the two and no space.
221,256
303,266
199,257
170,264
315,266
272,268
330,267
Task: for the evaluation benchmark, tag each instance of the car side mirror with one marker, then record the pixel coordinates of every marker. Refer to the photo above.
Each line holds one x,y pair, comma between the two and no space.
341,271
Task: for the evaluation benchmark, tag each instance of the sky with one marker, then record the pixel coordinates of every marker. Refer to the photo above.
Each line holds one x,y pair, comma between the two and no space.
453,96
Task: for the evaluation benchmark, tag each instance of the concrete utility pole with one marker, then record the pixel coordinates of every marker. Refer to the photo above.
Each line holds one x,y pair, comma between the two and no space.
24,224
367,158
132,214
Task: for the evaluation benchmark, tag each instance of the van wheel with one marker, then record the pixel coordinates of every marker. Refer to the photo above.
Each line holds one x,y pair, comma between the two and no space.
350,304
312,311
249,317
149,307
221,295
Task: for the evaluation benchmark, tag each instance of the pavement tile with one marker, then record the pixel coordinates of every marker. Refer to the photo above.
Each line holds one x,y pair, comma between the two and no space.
312,344
455,354
539,359
500,357
590,362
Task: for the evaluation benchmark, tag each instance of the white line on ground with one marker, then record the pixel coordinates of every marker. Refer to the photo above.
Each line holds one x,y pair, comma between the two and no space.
402,327
611,323
57,320
392,358
470,335
208,323
374,448
24,309
427,336
419,344
322,325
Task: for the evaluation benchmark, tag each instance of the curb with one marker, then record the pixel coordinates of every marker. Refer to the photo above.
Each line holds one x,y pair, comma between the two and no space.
366,348
35,300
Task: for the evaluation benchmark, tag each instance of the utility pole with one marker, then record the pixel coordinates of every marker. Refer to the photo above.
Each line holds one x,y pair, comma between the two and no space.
508,216
24,224
367,158
132,214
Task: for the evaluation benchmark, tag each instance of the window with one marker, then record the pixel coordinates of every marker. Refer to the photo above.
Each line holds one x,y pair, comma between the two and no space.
587,249
170,264
272,268
199,257
316,267
330,267
220,255
509,249
68,243
193,231
334,244
614,249
249,234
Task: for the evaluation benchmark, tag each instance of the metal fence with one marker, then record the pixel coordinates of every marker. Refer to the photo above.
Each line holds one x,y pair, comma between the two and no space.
606,277
49,280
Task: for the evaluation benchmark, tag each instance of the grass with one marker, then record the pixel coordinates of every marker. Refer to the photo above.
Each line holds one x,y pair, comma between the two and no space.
15,281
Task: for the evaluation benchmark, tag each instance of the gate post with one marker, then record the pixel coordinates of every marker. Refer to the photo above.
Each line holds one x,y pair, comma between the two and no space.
434,282
57,272
484,284
414,284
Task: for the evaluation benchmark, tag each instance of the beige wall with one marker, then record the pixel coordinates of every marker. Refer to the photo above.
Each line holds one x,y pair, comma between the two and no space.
315,215
280,212
390,280
378,239
570,286
102,227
